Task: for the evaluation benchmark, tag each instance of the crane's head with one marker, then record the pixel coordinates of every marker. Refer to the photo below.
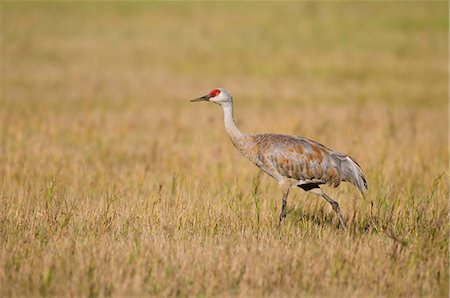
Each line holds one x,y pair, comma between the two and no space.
218,95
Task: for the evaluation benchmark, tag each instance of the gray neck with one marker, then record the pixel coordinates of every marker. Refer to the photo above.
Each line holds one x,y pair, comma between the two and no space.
230,126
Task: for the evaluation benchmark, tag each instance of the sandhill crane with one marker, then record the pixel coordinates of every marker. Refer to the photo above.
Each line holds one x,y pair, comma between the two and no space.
292,160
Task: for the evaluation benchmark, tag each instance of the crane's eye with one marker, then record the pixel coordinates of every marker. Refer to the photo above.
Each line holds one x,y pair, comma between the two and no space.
214,93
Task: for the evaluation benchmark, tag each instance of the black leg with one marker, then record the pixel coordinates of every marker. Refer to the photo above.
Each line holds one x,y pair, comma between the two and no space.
283,204
336,209
283,210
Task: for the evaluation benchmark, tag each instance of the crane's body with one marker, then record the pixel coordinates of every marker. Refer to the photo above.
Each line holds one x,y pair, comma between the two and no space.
291,160
305,163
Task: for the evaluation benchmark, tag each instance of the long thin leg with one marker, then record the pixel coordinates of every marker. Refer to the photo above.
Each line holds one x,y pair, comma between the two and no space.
333,204
283,210
283,204
336,209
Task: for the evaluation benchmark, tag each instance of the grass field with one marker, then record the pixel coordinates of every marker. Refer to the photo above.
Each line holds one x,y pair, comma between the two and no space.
113,184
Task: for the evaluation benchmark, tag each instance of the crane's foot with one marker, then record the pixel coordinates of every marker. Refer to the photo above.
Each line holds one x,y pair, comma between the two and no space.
282,216
341,219
285,189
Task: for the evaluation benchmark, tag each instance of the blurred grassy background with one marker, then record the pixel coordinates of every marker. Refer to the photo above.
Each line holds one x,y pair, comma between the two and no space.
112,183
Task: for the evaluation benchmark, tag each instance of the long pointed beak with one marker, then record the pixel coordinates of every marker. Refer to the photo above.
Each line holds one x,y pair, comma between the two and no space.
203,98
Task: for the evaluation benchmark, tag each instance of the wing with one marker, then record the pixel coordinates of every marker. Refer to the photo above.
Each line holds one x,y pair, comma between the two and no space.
299,158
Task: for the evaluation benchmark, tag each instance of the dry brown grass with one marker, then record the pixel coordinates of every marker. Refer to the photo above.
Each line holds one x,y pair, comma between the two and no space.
113,184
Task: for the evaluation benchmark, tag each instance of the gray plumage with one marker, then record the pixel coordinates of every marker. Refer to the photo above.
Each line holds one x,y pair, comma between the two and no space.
292,160
306,161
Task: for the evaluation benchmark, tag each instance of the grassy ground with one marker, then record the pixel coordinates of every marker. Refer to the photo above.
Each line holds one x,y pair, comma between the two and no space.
113,184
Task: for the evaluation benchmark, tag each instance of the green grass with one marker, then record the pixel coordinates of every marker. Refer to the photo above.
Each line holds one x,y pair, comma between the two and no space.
113,184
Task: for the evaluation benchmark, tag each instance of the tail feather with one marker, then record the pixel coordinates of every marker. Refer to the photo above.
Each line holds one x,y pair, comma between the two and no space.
352,172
